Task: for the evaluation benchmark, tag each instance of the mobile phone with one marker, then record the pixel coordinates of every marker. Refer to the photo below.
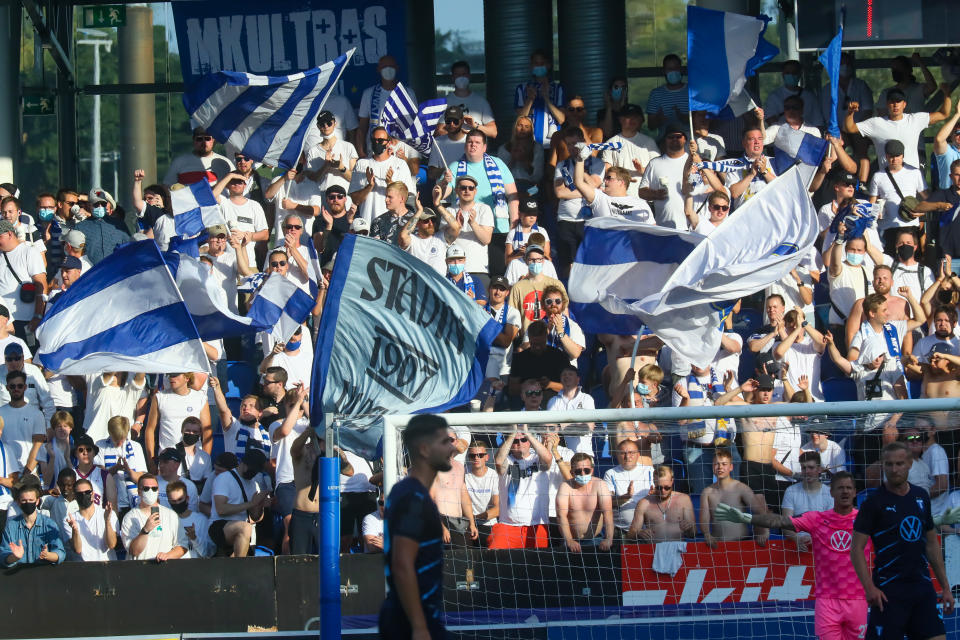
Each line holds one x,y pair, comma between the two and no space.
156,510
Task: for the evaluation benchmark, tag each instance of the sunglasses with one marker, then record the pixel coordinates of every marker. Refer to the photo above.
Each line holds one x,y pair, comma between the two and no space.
675,136
664,488
582,471
219,236
265,381
187,433
381,139
453,122
610,176
466,187
335,196
910,438
19,385
325,123
88,492
84,450
577,109
719,207
12,358
380,502
520,440
553,301
532,393
280,263
242,158
294,227
476,456
153,488
202,138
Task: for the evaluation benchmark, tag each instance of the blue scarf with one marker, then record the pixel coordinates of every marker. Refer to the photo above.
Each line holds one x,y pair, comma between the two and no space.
466,284
893,341
375,106
497,187
518,238
499,315
554,339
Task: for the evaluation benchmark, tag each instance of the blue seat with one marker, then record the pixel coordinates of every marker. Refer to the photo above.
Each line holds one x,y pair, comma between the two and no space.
218,447
839,389
747,321
914,387
241,378
599,395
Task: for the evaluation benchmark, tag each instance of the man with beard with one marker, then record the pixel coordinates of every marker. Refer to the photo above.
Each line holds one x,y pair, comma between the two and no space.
937,357
663,180
896,304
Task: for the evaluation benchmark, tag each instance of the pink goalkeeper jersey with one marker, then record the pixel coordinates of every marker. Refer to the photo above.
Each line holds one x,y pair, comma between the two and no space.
832,536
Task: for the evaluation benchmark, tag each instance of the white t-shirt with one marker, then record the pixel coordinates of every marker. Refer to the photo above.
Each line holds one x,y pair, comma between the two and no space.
317,158
476,258
203,547
26,262
280,449
924,347
910,182
630,207
174,408
105,401
473,105
801,501
305,192
373,111
518,269
907,130
873,343
359,482
450,148
570,210
9,464
531,490
833,459
346,120
906,276
846,289
19,427
431,250
376,203
109,455
248,216
667,173
164,228
372,525
786,448
298,366
92,535
804,359
618,481
498,363
163,538
226,485
481,491
936,459
580,400
237,437
639,147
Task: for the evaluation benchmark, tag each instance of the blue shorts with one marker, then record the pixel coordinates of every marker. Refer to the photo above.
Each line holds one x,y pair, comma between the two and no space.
911,610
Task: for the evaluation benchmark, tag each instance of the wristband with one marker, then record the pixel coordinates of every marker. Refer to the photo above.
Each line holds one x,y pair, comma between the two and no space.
144,532
804,324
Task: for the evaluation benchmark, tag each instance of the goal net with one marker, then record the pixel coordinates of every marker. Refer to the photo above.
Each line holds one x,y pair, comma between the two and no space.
529,551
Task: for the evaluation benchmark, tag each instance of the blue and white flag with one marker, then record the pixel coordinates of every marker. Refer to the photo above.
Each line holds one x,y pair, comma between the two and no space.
195,209
793,145
415,126
124,314
723,50
399,111
280,306
830,59
265,117
857,218
684,291
730,165
206,299
395,338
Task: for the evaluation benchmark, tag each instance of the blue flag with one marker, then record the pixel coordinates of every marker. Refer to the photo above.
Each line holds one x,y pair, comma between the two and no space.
395,337
830,59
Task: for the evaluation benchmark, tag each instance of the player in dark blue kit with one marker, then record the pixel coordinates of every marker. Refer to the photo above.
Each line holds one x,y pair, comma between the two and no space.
900,593
412,534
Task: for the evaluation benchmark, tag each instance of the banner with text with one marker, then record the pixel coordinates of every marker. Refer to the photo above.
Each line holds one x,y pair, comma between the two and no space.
395,337
285,36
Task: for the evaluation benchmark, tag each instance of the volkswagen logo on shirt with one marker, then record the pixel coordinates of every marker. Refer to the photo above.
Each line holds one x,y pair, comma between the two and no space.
910,528
840,540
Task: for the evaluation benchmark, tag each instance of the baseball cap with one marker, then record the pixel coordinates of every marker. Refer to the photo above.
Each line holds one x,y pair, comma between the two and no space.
531,248
672,128
71,262
529,206
227,460
217,229
255,459
99,195
455,251
6,225
335,188
845,178
631,110
4,311
326,117
893,148
765,381
896,95
13,349
171,454
430,214
359,224
453,112
466,178
75,238
501,282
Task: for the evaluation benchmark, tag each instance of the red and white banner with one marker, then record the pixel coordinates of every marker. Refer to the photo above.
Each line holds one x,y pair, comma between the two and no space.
734,572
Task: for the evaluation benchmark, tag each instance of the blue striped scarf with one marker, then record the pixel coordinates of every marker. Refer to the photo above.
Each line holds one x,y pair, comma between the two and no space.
733,165
495,179
605,146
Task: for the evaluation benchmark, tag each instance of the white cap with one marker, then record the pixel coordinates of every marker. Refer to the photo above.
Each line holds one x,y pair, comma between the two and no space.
359,224
97,195
455,251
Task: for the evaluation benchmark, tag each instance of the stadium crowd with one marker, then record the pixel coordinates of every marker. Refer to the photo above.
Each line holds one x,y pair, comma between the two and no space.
115,464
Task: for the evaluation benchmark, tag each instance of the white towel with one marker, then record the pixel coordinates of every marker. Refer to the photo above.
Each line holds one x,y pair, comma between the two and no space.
668,557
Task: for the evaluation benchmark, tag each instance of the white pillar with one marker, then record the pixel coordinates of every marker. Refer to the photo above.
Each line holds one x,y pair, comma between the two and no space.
9,106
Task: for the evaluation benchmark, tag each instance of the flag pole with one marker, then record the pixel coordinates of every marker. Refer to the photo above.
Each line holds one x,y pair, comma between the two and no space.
633,361
693,136
437,146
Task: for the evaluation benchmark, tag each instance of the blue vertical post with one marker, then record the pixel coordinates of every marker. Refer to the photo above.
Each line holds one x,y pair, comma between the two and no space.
330,548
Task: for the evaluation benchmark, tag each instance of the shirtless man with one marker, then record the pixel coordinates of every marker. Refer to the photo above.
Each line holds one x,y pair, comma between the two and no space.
936,358
449,491
896,304
581,501
621,350
734,493
759,467
665,514
304,521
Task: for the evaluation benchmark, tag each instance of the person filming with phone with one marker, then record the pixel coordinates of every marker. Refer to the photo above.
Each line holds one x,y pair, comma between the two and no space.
151,531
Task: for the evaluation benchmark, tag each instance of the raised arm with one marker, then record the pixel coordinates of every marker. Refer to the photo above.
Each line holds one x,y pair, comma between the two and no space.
944,111
940,145
580,181
226,416
849,125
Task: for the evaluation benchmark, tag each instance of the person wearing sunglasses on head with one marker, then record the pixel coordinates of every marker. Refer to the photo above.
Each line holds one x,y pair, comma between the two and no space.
337,215
200,164
244,215
331,159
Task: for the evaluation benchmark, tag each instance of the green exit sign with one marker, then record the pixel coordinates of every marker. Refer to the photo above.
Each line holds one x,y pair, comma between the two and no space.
108,15
39,105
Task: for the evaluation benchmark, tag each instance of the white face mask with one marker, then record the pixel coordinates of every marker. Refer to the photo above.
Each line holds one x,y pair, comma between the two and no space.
149,496
461,82
388,73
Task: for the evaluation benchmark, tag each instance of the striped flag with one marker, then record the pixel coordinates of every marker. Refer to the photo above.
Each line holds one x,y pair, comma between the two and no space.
413,126
124,314
792,146
281,303
194,209
266,117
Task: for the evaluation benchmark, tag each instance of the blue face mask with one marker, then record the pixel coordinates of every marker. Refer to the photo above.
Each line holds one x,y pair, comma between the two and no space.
293,346
674,77
791,80
46,214
616,93
536,268
583,480
99,212
855,259
540,71
456,269
643,389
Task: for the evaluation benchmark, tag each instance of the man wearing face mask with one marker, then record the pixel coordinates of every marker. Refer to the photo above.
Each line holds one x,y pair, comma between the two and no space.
31,537
539,98
773,108
907,270
669,102
102,237
581,503
151,531
92,530
527,294
238,503
373,100
194,523
476,109
456,273
848,277
168,464
371,175
297,362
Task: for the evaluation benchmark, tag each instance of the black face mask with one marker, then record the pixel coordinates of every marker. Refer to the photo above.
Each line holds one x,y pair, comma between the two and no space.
179,507
905,252
248,422
249,474
946,297
28,508
84,501
191,439
378,147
